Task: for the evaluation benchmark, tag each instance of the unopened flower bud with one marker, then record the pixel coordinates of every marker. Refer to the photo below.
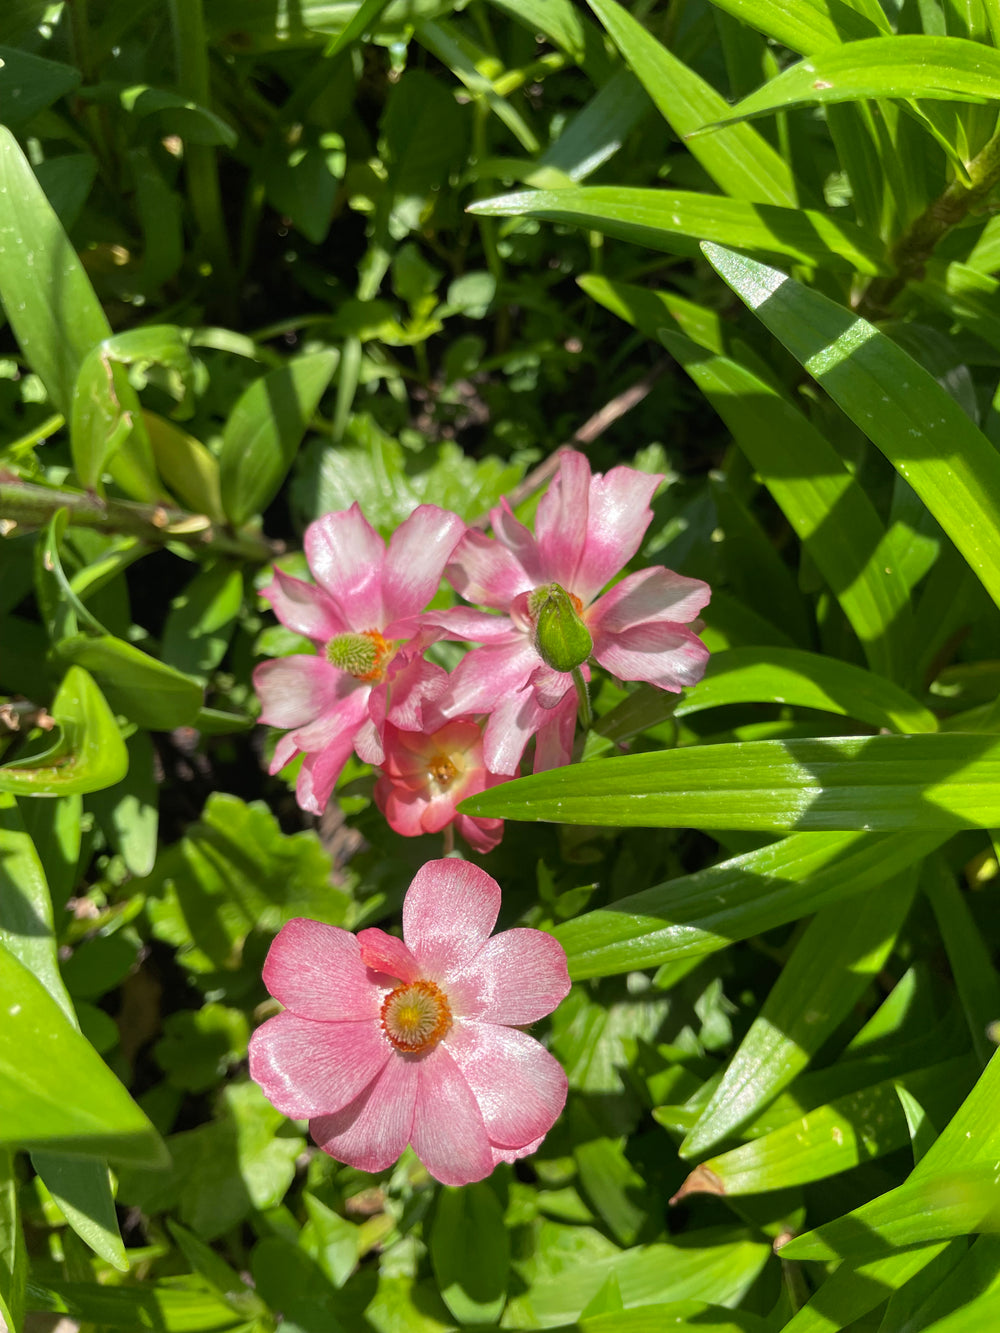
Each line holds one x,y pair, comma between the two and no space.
562,640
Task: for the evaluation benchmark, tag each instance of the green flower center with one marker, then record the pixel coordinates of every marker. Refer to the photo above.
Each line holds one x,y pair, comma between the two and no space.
363,656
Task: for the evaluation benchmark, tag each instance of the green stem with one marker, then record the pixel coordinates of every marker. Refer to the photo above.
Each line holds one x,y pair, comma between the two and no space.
583,695
915,247
25,505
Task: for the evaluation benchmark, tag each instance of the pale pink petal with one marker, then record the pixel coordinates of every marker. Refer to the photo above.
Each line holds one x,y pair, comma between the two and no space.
295,690
509,727
308,1068
317,972
485,572
517,977
304,608
402,807
448,913
412,688
550,687
448,1134
554,738
618,517
373,1130
465,623
482,835
418,552
387,954
520,1087
367,741
327,745
651,594
519,541
438,812
345,554
515,1154
666,655
489,675
285,750
561,520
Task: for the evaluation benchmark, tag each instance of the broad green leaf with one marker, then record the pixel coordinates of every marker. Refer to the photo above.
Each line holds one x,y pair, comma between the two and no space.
807,25
901,408
874,783
54,826
675,220
148,692
828,971
81,1188
853,1290
740,897
265,429
832,1138
914,66
805,680
171,112
470,1253
829,510
28,84
969,957
90,753
128,811
186,466
677,1316
609,1181
13,1254
967,1299
227,1282
55,1090
743,166
156,1306
202,619
594,134
651,310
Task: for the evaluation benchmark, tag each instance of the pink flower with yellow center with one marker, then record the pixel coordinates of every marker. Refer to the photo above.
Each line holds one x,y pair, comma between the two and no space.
363,615
425,775
587,529
386,1042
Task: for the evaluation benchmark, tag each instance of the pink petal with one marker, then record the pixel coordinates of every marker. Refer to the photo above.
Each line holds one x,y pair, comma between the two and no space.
486,572
345,554
448,1134
618,517
487,675
651,594
448,913
412,688
561,520
385,953
515,1154
517,977
367,741
519,541
295,690
550,687
307,1068
520,1087
402,808
418,552
304,608
374,1129
482,835
325,760
666,655
317,972
464,623
511,724
554,738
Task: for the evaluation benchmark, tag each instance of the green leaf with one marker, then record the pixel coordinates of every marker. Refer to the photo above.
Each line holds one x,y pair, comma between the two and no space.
969,955
676,220
903,65
806,26
89,755
743,166
470,1253
128,811
901,408
55,1090
651,310
829,510
804,680
744,896
880,783
13,1254
186,466
854,1290
148,692
826,974
81,1188
28,84
423,139
265,429
202,619
594,134
171,113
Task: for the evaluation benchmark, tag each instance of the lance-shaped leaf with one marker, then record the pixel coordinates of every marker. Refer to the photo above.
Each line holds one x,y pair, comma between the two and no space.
916,65
675,220
808,26
827,972
743,896
879,783
902,409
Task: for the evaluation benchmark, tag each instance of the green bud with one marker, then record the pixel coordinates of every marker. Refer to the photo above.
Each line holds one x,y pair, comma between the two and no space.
562,639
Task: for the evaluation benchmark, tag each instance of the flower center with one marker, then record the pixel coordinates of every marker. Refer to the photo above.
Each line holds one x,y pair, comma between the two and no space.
442,770
363,656
416,1016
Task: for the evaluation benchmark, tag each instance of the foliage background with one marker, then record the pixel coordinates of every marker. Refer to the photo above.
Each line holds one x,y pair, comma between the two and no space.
260,261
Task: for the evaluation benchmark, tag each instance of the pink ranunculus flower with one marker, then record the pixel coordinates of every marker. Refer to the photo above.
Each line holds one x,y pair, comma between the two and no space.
586,530
384,1043
363,615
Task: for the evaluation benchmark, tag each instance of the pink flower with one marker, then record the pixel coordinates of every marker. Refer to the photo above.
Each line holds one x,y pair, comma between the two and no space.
384,1043
362,614
587,529
424,776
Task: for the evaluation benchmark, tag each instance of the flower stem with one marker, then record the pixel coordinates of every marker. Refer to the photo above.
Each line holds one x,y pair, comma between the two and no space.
585,714
25,505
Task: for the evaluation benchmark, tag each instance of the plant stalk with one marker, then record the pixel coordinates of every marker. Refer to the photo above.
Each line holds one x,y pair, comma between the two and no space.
585,713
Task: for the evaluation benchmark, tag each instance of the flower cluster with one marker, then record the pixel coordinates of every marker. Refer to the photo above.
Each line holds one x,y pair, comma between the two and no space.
386,1042
538,617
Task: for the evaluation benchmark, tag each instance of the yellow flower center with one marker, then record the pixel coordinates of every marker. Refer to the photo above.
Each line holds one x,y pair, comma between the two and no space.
363,656
442,770
416,1016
